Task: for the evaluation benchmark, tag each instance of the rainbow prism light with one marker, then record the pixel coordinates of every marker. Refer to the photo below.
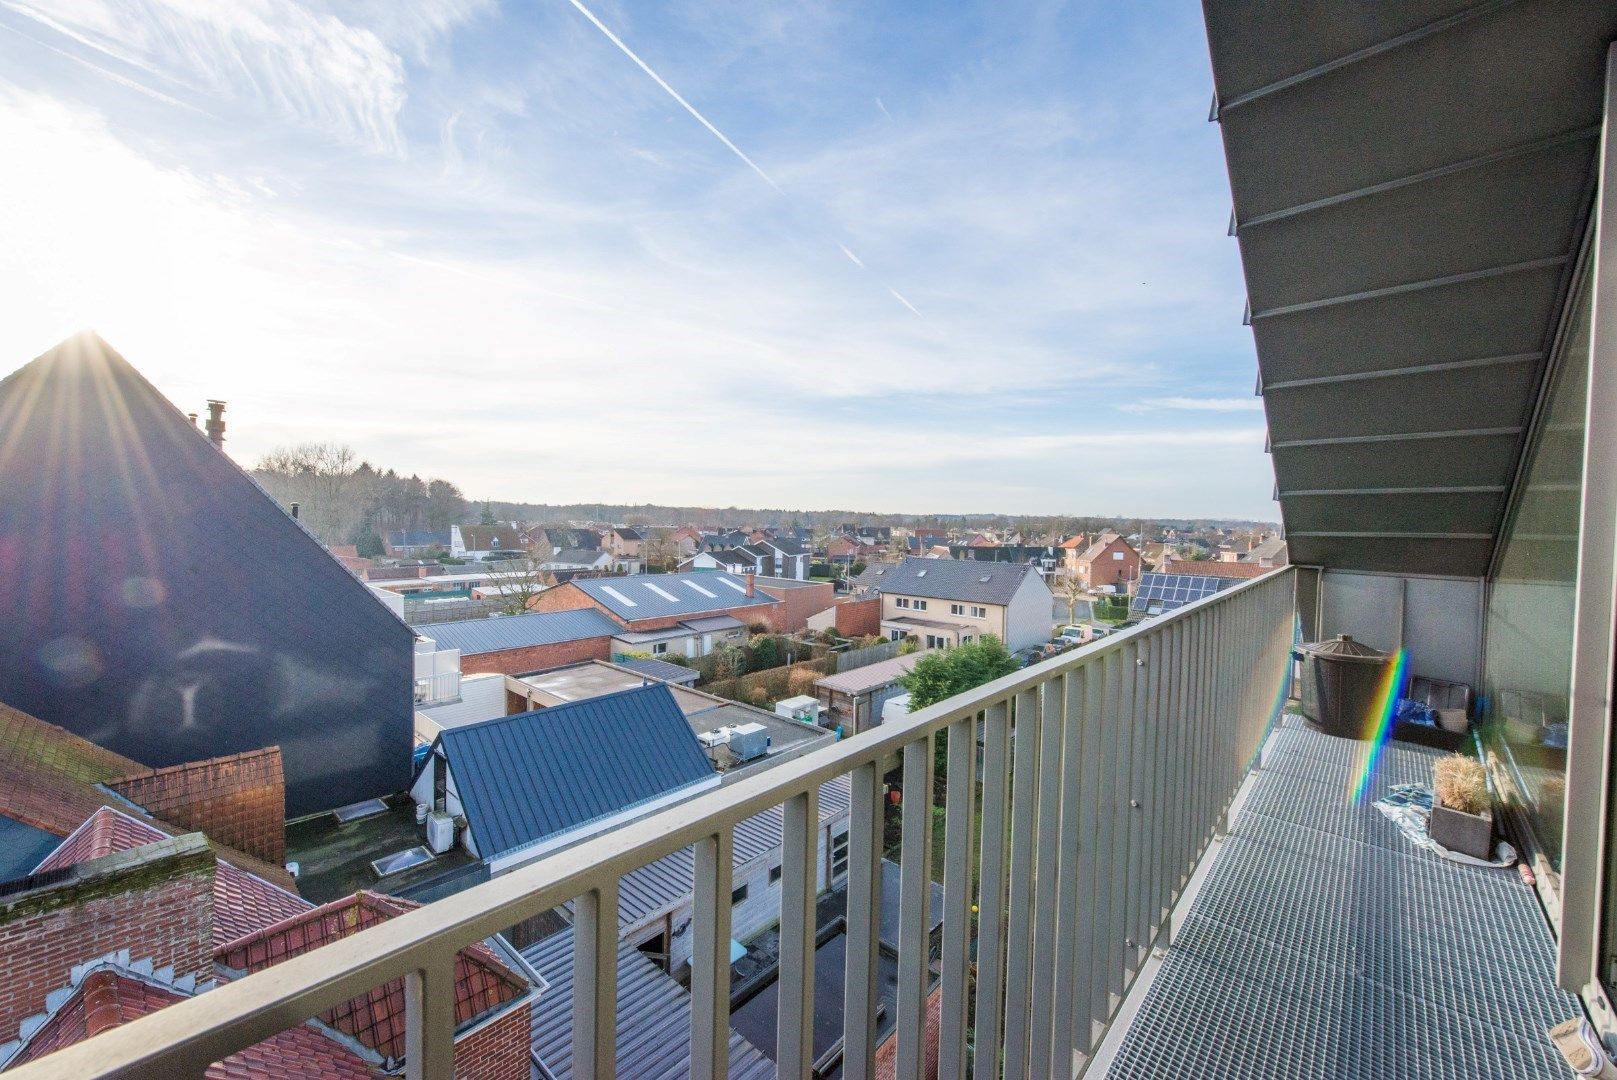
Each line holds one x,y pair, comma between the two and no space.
1380,722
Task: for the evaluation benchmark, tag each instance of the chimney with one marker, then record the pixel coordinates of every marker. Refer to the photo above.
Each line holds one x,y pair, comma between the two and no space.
216,423
294,511
752,580
193,417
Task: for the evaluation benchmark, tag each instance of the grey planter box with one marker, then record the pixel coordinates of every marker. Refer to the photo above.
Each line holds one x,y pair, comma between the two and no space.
1469,834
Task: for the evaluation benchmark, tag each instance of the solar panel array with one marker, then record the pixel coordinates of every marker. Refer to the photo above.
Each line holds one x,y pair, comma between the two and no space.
1164,592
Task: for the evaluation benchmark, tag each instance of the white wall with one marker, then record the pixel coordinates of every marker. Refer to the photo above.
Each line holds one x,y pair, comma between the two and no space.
1027,617
1438,620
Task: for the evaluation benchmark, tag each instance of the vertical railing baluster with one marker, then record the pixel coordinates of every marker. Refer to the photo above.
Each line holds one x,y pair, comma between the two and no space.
860,1002
595,982
915,903
1122,779
1142,796
794,1012
710,958
1019,937
1105,802
1091,761
991,892
429,1019
1070,913
1046,865
959,820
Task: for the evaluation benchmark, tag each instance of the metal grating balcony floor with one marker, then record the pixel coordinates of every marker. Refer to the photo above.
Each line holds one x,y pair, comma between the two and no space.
1323,944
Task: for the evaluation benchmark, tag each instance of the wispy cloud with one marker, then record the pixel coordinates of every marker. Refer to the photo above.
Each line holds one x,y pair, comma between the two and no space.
547,243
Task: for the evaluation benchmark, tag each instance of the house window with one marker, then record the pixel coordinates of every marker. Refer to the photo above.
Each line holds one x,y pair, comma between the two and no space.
979,612
957,609
839,855
774,875
895,635
902,601
739,896
920,605
1117,556
966,640
659,648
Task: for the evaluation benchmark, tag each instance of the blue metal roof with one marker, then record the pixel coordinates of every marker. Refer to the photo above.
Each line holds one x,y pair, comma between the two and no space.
655,596
474,636
527,777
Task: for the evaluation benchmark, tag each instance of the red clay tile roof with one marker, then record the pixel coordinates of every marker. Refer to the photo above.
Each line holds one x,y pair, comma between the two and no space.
49,778
111,996
242,902
1213,568
238,800
482,982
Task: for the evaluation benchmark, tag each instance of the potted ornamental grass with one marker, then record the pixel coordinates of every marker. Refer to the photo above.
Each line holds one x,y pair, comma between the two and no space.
1462,811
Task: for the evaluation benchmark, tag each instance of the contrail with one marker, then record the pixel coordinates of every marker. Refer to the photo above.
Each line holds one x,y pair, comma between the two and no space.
719,135
700,119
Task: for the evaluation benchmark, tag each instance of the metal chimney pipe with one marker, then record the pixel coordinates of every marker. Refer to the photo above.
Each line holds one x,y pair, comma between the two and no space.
216,423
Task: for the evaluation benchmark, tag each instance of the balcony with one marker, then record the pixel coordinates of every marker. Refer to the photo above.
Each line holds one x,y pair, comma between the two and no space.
1309,938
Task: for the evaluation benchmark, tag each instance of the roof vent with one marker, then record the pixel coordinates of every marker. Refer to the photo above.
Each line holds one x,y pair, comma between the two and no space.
985,578
920,573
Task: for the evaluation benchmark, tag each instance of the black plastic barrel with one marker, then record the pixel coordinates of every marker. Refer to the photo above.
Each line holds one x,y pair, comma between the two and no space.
1343,686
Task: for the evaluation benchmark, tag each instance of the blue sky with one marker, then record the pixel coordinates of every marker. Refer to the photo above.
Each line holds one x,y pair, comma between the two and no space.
951,257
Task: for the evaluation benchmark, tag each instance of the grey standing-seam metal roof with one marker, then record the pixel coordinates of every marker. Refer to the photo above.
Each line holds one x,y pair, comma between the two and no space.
474,636
666,884
579,556
531,776
653,1018
656,596
1406,267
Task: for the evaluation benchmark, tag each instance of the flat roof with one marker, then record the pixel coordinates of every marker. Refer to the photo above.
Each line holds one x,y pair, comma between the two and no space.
931,624
334,859
705,712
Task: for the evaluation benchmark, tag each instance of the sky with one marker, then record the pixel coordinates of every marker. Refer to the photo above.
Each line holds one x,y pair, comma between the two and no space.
883,256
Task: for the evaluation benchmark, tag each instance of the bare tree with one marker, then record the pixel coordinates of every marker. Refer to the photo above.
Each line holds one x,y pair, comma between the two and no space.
1070,587
516,582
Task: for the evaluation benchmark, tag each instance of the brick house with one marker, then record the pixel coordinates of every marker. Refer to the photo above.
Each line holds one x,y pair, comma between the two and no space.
1109,564
517,643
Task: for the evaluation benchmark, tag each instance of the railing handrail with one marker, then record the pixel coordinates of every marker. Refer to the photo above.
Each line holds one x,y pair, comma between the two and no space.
239,1014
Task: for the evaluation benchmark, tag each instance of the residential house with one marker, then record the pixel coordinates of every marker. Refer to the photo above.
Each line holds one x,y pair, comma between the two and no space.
686,614
846,551
948,602
1071,549
1110,564
565,564
850,616
687,540
1269,553
410,543
1046,558
783,559
1179,582
481,541
625,542
853,699
742,560
725,541
568,538
170,628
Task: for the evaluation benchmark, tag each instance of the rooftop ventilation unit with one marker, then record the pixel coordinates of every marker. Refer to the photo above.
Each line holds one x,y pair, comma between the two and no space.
749,741
711,739
400,860
440,833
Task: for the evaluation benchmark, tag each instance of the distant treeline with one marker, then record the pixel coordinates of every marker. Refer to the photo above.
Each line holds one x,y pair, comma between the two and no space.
344,501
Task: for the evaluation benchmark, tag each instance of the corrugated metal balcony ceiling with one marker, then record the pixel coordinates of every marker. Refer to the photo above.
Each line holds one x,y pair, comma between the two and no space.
1411,184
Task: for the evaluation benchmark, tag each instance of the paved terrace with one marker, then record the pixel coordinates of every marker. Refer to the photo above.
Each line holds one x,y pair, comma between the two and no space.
1323,944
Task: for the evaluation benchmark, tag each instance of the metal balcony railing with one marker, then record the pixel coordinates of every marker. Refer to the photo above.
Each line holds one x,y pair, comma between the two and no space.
1105,774
437,689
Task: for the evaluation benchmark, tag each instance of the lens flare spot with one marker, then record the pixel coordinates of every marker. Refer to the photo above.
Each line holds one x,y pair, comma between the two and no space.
71,661
142,593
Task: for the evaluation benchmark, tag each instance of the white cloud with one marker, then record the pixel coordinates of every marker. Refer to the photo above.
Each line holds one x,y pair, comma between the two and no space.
1194,404
297,64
